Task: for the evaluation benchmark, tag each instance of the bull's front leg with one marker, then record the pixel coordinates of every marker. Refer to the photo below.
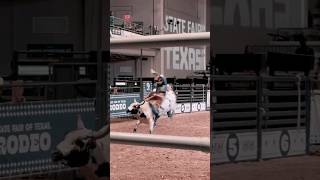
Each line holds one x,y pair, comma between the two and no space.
151,124
137,124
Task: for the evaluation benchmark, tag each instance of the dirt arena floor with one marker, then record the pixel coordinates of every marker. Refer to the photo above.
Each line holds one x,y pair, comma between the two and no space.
293,168
150,163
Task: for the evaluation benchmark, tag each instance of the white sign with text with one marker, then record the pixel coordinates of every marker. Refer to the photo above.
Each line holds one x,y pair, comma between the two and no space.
183,60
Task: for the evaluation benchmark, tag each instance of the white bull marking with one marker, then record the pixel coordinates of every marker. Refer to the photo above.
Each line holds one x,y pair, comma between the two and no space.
143,112
86,149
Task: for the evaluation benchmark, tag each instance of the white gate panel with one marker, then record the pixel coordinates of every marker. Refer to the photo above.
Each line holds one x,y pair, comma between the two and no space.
283,143
234,147
199,106
183,108
315,118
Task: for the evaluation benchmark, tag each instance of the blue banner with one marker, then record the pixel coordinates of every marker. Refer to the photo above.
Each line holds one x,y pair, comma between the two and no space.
120,103
30,132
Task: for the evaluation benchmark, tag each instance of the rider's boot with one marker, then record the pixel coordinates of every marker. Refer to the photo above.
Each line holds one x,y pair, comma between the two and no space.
169,113
156,113
157,116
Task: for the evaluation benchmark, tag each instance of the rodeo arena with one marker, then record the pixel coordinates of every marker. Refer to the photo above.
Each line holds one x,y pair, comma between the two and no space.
241,110
170,41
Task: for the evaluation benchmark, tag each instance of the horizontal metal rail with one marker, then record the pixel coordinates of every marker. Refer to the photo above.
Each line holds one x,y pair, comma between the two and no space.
158,41
283,113
283,93
283,79
235,106
283,121
233,124
164,141
72,64
227,115
235,93
50,83
284,105
234,78
52,52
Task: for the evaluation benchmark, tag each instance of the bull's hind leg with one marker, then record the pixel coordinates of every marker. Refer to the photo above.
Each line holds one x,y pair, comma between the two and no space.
137,124
151,125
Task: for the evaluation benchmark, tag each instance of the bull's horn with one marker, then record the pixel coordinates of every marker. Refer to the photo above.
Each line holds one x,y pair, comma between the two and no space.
104,131
134,100
80,124
153,71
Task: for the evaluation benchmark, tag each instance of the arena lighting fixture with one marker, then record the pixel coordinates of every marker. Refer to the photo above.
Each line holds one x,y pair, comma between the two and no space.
121,83
158,41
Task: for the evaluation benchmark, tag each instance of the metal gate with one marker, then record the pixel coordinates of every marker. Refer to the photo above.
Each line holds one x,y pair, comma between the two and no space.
259,117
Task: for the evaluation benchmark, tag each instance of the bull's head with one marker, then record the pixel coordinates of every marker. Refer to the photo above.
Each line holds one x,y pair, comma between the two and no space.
133,107
74,150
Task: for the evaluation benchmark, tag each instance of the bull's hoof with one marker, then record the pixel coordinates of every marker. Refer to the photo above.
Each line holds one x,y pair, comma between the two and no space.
134,130
170,114
103,170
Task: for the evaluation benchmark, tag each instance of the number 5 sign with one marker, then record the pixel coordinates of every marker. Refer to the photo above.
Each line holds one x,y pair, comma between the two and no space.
232,147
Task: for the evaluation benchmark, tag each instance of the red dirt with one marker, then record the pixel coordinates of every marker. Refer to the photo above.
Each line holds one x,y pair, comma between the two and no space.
292,168
151,163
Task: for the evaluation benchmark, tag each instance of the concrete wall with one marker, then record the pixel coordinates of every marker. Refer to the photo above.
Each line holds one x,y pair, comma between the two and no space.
190,11
140,10
126,68
237,23
19,19
70,11
187,9
47,22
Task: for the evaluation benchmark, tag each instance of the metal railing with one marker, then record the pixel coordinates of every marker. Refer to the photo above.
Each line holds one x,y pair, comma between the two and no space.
236,103
257,106
242,103
191,93
44,91
120,24
116,90
290,49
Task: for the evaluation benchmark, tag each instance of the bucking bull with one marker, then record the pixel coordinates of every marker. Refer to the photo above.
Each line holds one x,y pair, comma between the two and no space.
86,149
142,111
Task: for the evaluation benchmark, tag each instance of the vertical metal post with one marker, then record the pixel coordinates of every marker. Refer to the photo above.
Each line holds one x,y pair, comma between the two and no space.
14,65
206,97
101,98
191,96
108,91
141,83
153,17
102,37
259,89
203,88
211,85
308,111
